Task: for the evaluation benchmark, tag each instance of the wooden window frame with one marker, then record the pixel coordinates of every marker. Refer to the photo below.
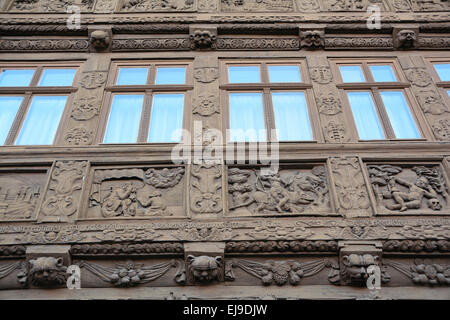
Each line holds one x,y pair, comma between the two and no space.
266,88
375,87
148,90
33,89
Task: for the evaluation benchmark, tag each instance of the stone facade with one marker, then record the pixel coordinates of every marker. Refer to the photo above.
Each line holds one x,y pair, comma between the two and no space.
128,216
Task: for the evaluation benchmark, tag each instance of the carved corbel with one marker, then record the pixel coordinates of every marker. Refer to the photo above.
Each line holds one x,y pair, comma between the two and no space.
357,261
100,39
203,38
204,262
312,38
405,38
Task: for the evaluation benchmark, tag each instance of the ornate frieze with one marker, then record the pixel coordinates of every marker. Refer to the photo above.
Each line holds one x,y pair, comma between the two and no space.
136,192
20,194
79,250
290,191
64,190
179,43
409,189
361,42
44,45
225,43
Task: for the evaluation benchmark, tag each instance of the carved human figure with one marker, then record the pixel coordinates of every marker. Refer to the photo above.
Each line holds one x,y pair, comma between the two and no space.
413,199
154,204
120,201
406,38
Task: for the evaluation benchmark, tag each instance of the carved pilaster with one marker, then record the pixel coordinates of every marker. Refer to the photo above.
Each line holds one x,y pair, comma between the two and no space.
332,120
435,108
351,190
62,198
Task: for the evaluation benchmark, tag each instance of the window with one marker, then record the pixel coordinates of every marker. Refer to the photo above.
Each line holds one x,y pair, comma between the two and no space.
32,102
378,100
146,103
264,96
442,75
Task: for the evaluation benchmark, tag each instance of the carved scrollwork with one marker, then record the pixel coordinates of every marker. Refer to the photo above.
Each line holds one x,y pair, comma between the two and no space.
441,129
93,79
206,74
335,132
79,136
206,185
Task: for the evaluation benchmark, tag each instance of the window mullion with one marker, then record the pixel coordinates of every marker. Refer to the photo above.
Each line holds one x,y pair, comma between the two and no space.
389,131
269,114
145,118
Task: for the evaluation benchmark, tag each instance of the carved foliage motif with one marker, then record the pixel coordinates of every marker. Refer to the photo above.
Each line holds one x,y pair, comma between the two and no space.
423,273
350,186
286,192
277,272
205,188
400,189
19,194
151,44
47,271
206,74
129,274
136,192
93,79
79,136
63,194
258,43
44,45
441,129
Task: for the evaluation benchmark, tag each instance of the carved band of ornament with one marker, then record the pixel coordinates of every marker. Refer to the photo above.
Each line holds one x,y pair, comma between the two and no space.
358,42
12,251
131,274
278,272
258,44
416,246
44,45
423,273
152,44
150,28
281,246
434,42
127,248
9,30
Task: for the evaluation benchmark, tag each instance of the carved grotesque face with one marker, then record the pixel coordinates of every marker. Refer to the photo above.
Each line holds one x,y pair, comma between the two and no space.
407,38
356,265
204,268
203,39
312,38
100,39
47,271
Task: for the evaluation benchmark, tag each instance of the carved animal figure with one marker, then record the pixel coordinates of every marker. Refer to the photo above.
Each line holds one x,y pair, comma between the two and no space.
204,268
46,271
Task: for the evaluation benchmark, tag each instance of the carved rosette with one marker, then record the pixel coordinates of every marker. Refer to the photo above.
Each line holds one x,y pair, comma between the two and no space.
206,185
352,194
63,195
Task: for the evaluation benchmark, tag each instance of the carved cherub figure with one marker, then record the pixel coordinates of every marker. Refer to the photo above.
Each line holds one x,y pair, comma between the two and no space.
121,201
413,199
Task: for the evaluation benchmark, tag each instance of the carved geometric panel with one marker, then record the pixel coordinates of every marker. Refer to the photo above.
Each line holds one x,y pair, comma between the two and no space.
290,191
20,194
136,192
409,189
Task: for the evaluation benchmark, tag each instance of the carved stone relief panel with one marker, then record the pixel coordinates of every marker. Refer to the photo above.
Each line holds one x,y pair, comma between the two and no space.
308,5
206,188
208,5
256,5
62,197
350,5
430,5
352,194
292,190
20,193
409,188
49,5
158,5
156,191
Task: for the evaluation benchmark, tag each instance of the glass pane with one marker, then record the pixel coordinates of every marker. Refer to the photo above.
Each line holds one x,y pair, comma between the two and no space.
352,74
16,78
365,116
246,117
383,73
8,110
57,77
443,71
284,74
129,76
42,120
124,119
170,76
248,74
167,118
291,116
400,115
